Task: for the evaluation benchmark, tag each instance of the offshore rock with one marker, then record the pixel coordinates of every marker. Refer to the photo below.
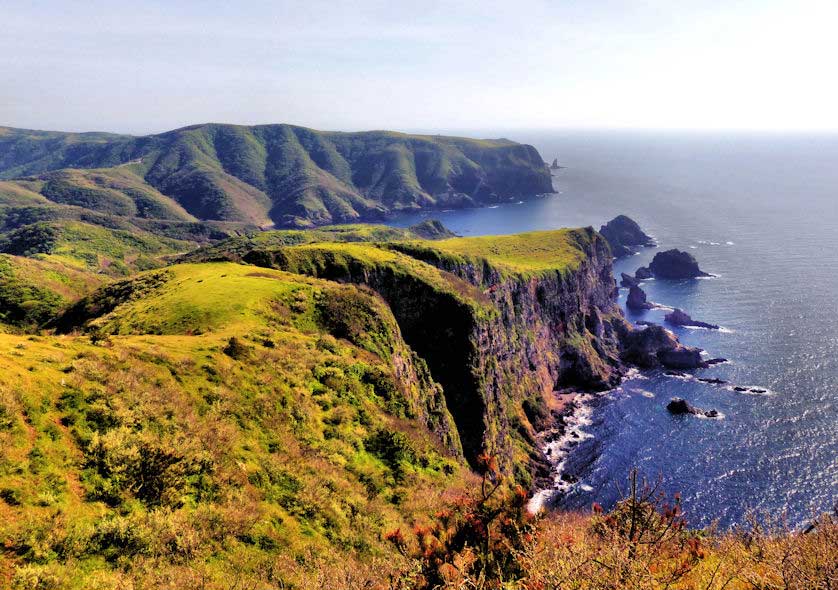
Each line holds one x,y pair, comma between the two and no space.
679,406
643,273
637,299
655,346
624,236
628,281
680,318
676,264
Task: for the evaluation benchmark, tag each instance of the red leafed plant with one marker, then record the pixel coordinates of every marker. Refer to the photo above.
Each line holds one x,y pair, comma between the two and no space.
479,537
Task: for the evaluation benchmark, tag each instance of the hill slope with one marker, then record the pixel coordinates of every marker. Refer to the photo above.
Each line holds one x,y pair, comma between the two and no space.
267,174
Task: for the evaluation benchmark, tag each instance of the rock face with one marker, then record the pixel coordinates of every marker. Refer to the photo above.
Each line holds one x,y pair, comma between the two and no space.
675,264
624,236
500,342
637,299
643,273
655,346
681,318
628,281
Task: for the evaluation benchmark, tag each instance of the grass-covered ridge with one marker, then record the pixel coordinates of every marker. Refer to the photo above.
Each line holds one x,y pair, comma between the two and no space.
267,174
528,253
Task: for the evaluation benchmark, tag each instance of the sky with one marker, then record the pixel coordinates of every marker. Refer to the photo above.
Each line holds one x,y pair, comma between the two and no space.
146,66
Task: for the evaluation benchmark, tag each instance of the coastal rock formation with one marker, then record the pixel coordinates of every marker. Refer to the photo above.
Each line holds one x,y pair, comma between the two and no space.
678,317
628,281
643,273
501,332
680,406
655,346
555,164
624,236
676,264
636,299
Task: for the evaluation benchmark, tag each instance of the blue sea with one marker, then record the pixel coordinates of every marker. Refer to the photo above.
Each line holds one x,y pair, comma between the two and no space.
761,213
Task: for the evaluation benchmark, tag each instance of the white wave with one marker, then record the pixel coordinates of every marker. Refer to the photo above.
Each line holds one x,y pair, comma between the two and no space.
729,243
634,373
557,450
644,392
718,416
492,206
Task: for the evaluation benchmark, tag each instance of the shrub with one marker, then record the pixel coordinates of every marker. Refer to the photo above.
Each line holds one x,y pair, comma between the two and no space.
236,349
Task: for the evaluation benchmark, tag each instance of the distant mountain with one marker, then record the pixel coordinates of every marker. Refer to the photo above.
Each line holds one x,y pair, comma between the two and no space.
264,175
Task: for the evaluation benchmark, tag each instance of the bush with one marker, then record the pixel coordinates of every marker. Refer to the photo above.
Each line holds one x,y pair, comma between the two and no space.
236,349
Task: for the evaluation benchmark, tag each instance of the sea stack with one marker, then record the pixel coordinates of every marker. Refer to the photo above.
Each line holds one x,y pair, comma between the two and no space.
675,264
625,236
679,317
637,299
628,281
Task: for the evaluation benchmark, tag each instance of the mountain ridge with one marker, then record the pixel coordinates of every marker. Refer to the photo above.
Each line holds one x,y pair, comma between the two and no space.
272,175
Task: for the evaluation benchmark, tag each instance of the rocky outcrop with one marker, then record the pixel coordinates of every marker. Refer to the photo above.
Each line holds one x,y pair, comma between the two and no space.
675,264
628,281
555,164
636,299
431,229
625,236
678,317
679,406
655,346
643,273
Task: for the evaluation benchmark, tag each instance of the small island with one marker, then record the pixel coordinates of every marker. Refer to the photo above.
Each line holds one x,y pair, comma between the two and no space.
675,264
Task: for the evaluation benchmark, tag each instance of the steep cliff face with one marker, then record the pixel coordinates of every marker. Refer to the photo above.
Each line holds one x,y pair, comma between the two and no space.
502,324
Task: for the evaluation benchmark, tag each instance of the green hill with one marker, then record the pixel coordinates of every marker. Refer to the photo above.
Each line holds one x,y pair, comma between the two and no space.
265,175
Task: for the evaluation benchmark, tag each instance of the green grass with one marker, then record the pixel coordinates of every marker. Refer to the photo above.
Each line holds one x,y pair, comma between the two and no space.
522,254
198,298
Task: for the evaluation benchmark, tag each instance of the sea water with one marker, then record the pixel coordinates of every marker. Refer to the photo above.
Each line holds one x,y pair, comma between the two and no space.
761,213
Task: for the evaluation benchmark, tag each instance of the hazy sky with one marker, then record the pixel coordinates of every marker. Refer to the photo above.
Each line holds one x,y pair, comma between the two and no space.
147,66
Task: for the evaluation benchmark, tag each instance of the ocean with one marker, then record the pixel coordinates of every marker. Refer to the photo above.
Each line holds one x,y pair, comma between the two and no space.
760,212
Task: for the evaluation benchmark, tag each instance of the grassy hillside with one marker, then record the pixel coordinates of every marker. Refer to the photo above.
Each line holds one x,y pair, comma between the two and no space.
34,291
269,419
114,252
267,174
